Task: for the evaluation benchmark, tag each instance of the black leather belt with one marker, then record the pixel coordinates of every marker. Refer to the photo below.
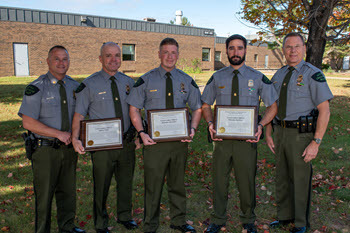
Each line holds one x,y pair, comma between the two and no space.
288,124
50,142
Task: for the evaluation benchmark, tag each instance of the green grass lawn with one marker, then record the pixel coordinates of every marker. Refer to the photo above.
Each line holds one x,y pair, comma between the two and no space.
331,183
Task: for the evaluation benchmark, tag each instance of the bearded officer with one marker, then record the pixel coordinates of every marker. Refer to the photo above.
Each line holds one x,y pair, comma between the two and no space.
236,84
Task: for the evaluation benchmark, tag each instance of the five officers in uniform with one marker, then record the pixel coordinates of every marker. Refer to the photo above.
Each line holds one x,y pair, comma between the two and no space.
299,89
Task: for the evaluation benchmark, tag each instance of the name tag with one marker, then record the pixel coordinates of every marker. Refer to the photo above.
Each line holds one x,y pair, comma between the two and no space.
102,93
222,87
50,98
153,90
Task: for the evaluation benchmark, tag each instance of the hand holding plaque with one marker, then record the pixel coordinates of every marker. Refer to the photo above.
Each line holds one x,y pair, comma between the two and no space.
102,134
168,124
235,122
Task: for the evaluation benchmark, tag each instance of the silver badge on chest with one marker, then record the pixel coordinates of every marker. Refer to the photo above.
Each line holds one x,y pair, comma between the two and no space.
250,83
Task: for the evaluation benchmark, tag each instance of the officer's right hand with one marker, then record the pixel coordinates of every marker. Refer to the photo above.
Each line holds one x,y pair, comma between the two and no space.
147,140
269,141
212,132
65,137
78,146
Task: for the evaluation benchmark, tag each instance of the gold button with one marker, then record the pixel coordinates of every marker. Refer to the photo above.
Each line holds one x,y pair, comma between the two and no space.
116,98
169,94
64,101
235,94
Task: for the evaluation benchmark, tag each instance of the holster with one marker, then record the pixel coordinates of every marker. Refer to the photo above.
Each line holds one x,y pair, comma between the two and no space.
30,144
130,134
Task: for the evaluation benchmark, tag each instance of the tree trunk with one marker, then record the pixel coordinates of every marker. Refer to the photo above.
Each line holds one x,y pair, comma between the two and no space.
316,43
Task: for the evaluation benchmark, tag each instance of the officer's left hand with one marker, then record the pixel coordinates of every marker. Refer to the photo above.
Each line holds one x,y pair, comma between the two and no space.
257,135
137,143
310,152
191,136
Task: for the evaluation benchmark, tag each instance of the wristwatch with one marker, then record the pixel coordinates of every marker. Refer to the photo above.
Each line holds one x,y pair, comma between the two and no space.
317,140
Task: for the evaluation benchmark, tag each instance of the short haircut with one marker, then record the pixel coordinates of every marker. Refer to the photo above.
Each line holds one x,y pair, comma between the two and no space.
108,44
57,47
236,37
169,41
291,34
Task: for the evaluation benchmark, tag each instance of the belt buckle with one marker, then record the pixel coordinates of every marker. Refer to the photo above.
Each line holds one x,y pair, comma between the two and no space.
283,124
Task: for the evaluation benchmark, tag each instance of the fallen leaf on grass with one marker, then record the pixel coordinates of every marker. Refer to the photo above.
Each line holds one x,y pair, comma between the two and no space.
82,224
138,210
10,175
167,218
5,229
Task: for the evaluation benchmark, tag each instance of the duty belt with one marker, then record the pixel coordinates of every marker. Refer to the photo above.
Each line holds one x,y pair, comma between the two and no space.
288,124
51,142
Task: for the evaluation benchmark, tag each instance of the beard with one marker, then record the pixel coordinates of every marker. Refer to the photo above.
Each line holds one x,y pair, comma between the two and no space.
236,63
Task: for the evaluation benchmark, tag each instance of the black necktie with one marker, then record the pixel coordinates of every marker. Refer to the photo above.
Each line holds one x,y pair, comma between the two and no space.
116,98
282,106
235,89
64,107
169,101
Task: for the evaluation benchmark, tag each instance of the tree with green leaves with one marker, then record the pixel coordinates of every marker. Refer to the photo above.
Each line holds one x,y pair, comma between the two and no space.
185,21
318,20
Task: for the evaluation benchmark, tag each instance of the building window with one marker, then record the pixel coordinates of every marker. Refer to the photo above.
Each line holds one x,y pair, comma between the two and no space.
128,52
255,57
205,54
217,55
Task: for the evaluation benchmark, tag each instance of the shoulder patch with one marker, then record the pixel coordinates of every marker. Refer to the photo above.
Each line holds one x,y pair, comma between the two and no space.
210,80
319,77
31,90
80,88
266,80
139,82
194,84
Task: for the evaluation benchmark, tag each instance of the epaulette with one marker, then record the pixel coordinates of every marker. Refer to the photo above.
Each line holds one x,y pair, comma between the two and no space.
194,84
80,88
266,80
210,80
139,82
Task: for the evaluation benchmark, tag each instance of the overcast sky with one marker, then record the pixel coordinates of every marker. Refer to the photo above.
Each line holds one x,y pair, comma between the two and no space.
219,15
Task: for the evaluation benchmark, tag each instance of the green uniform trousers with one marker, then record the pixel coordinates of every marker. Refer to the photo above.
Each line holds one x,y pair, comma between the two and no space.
293,175
160,160
242,156
54,173
121,163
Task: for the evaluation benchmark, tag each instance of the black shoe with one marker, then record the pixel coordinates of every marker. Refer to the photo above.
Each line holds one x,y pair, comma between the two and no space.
298,230
213,228
250,227
279,223
130,225
102,231
75,230
183,228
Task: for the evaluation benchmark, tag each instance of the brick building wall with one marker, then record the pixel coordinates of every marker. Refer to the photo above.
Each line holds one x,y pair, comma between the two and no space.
83,36
83,44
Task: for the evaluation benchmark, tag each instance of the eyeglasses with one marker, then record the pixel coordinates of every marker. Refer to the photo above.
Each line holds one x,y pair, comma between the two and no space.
290,48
